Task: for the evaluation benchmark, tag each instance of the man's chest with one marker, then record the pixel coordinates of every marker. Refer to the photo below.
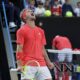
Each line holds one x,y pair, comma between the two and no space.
33,35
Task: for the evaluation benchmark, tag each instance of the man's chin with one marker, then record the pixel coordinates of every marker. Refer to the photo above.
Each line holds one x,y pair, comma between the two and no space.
33,19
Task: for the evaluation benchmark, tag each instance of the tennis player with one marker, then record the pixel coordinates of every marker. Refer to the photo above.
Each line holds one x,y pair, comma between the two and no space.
30,46
63,43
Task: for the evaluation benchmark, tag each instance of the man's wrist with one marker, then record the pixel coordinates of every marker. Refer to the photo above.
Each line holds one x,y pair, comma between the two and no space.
19,64
48,62
19,55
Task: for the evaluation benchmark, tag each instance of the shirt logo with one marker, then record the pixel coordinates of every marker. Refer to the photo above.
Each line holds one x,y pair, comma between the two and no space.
39,33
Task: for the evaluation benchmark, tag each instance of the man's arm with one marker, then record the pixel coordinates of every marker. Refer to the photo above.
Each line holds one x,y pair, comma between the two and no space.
53,47
54,43
48,62
19,54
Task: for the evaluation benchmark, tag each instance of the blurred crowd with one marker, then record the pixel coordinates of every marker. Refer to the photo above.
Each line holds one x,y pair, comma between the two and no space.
52,7
41,8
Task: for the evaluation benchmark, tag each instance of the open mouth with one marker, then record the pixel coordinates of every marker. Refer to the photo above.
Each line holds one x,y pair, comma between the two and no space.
32,14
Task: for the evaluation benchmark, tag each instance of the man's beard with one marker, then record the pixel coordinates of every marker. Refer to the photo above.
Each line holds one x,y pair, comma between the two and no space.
33,19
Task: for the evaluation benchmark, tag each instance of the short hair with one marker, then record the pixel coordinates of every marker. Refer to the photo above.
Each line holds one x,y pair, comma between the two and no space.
23,14
78,2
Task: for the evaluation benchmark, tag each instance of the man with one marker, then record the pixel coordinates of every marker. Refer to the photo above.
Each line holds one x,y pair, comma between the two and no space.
30,4
67,7
64,44
30,46
77,9
56,8
39,10
11,9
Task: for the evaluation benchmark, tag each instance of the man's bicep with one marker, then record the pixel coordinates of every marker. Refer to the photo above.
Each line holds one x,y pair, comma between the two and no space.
53,47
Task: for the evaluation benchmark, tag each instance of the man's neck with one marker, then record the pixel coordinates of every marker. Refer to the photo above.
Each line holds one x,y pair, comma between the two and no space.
31,24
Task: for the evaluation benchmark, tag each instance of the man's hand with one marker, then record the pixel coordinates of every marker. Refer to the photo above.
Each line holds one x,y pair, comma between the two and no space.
19,65
19,68
50,65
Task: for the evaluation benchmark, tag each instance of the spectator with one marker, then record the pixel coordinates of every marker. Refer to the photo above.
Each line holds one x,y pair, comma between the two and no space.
32,5
51,2
77,9
43,1
26,3
39,11
47,5
11,9
62,1
64,44
67,7
56,9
